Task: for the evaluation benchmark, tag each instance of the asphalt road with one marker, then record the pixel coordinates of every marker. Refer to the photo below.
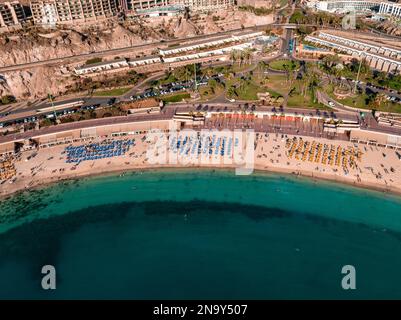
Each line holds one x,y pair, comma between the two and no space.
369,123
167,113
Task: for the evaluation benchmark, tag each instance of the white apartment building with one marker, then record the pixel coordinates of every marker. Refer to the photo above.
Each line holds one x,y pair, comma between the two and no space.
133,6
11,15
390,9
51,12
210,43
339,6
102,67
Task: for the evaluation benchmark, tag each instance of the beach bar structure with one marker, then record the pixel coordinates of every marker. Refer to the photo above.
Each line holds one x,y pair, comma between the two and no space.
7,148
376,138
88,134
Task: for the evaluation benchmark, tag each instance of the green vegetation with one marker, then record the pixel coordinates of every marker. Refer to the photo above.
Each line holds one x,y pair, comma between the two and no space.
184,73
283,3
302,16
274,94
173,45
93,60
391,81
257,11
112,92
244,81
242,57
300,93
245,89
362,99
176,98
7,99
368,100
131,78
46,122
284,65
112,111
212,89
350,70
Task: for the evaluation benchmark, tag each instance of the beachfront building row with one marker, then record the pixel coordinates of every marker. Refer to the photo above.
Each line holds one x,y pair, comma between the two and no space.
87,130
390,9
119,65
12,15
217,47
368,46
115,65
378,56
211,43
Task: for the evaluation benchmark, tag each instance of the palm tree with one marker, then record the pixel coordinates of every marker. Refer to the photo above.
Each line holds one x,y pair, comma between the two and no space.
231,91
233,56
330,61
313,85
241,57
379,100
247,55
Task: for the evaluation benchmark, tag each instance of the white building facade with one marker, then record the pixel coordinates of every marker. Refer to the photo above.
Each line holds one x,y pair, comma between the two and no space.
339,6
390,9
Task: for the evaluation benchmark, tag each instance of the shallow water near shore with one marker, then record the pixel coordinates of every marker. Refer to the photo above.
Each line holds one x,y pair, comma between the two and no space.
203,234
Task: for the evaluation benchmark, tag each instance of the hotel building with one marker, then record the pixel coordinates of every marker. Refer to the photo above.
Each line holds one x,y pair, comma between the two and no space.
11,15
379,57
345,5
134,6
390,9
205,5
131,6
52,12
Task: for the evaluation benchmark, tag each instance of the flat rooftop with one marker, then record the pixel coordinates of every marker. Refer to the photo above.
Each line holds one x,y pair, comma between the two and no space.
100,64
368,38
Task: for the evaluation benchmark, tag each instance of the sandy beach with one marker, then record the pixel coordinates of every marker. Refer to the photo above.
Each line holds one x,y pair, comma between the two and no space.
345,162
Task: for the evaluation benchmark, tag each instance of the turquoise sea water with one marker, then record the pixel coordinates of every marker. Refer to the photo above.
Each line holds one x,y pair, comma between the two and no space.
208,234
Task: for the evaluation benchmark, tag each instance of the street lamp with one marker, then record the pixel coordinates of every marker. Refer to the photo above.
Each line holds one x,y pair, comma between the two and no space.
359,71
50,97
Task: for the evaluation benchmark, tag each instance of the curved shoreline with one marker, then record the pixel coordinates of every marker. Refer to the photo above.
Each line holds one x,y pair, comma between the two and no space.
296,173
375,168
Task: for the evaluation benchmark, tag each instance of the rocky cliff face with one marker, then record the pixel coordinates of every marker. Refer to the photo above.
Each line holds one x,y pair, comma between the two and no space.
23,48
35,83
390,28
26,47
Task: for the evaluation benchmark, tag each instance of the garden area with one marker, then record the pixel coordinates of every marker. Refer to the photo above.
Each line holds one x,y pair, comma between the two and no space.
284,65
112,92
7,100
130,78
175,98
85,115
